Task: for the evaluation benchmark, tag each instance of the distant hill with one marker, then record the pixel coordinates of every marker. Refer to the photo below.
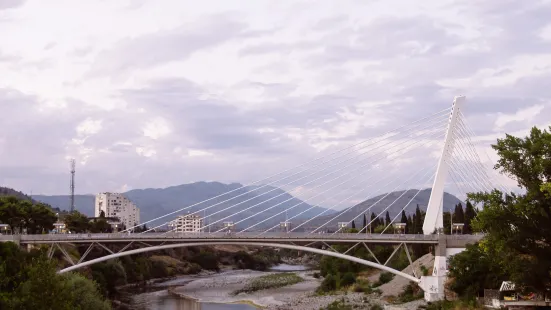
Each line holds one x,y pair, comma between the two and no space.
6,191
155,202
422,199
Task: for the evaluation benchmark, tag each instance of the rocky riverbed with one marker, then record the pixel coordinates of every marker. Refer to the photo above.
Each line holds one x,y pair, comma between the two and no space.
220,288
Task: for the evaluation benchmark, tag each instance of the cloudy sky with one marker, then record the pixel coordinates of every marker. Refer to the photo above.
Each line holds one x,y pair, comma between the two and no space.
158,93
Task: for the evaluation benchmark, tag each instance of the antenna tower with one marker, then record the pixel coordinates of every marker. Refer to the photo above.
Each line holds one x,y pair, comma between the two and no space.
72,186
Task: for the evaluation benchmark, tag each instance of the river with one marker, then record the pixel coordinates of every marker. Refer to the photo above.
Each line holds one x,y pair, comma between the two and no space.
162,300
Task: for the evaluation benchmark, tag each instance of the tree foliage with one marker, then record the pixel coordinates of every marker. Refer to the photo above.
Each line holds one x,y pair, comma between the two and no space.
21,215
474,270
30,281
77,222
517,226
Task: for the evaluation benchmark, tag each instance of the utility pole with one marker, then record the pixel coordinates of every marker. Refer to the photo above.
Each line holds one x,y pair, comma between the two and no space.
72,185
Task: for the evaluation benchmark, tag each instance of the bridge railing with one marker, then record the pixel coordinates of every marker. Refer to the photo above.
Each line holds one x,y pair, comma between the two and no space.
247,235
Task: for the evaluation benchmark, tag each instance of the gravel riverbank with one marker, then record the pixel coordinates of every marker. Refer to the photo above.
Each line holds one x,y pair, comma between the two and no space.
219,288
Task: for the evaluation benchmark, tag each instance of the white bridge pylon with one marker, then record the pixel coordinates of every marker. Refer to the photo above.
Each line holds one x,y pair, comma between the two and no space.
434,217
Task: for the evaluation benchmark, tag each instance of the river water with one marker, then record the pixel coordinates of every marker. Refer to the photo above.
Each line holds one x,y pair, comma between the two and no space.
162,300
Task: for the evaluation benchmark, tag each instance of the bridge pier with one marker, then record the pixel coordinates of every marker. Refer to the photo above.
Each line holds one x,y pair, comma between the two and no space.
434,285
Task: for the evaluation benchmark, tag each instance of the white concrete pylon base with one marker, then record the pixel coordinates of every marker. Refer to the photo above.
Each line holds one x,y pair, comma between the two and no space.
433,287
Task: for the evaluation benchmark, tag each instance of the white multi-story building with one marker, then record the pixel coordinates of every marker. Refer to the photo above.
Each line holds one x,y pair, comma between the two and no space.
186,223
116,205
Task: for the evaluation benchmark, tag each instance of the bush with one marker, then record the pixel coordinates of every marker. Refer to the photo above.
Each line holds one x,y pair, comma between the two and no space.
363,286
337,305
384,277
424,270
316,275
348,279
376,307
270,281
411,292
329,284
207,260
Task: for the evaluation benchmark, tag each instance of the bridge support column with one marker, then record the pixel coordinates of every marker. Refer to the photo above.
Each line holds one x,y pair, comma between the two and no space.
433,218
434,285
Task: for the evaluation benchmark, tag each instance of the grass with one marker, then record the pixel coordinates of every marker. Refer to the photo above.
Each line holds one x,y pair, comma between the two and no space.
270,281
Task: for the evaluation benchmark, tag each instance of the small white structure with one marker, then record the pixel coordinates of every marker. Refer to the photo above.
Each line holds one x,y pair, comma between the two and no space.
5,229
186,223
457,228
285,226
228,225
117,205
60,228
400,228
342,224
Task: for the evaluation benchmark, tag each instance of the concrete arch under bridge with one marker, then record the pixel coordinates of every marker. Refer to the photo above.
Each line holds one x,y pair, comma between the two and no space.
274,245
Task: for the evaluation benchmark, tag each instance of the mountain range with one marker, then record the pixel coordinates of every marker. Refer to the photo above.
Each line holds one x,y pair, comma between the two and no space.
156,202
393,202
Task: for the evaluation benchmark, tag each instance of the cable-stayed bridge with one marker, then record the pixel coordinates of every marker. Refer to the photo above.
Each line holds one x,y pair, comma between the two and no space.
343,181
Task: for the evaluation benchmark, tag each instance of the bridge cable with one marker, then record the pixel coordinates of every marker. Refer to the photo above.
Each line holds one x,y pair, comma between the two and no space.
401,195
304,200
311,174
433,116
362,189
348,198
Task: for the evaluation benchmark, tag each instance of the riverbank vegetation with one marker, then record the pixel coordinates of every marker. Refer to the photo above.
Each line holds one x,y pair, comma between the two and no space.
29,281
517,227
270,281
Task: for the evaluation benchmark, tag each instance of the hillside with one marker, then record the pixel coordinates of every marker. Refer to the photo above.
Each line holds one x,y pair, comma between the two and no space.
6,191
422,199
155,202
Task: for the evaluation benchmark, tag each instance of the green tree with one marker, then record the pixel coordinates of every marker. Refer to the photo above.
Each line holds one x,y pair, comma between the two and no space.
100,226
418,221
30,281
364,227
77,222
84,293
387,219
374,222
11,213
353,225
458,214
469,216
474,270
23,214
404,220
518,227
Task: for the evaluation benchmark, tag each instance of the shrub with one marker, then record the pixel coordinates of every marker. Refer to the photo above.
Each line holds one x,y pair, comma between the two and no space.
363,286
376,307
411,292
270,281
329,284
348,279
384,277
316,275
337,305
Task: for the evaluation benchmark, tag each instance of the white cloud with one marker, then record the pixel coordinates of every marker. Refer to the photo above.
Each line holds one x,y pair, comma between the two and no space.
240,84
156,128
526,115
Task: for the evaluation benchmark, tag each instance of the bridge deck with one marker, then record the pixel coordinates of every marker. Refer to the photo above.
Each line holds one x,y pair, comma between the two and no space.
249,237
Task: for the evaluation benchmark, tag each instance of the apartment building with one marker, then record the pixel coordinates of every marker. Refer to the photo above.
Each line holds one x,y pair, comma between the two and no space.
186,223
117,205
